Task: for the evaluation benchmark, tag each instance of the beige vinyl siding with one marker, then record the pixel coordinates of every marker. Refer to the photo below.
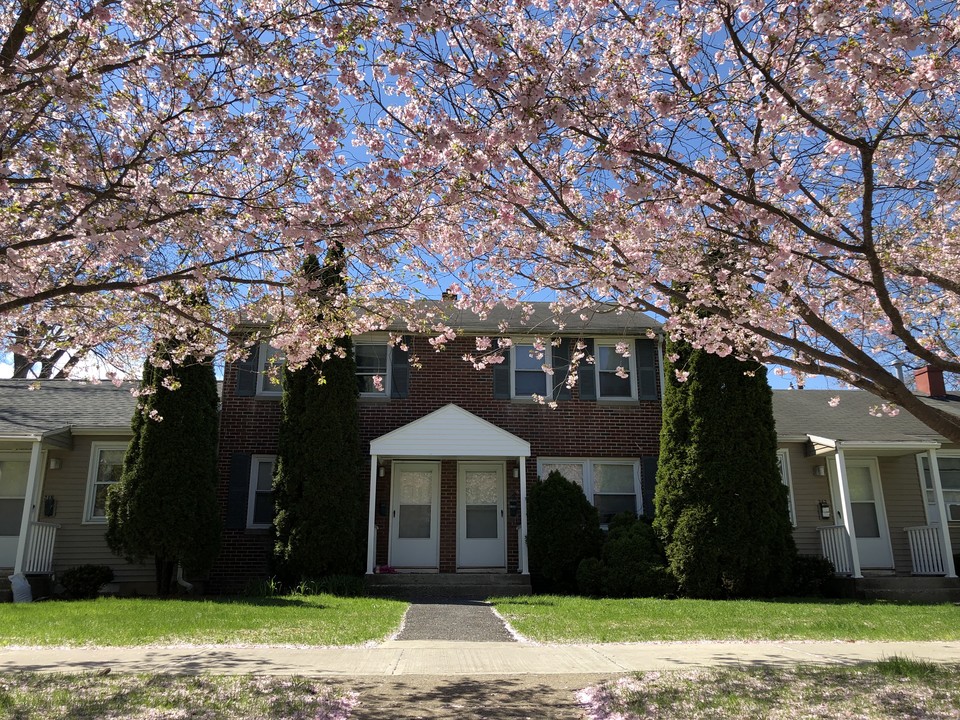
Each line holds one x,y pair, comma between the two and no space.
78,543
904,504
808,490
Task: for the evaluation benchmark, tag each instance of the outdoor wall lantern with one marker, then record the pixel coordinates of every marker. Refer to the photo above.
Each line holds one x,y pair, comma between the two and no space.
824,509
49,506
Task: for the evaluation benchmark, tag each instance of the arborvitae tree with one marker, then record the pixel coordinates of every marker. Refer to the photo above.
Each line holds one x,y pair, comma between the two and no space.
721,507
317,486
165,504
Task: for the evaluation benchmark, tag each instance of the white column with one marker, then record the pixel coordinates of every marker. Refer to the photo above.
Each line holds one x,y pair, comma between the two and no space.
522,549
945,544
29,503
372,517
847,512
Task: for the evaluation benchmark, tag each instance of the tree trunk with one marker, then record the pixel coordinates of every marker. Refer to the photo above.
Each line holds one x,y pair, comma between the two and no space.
164,574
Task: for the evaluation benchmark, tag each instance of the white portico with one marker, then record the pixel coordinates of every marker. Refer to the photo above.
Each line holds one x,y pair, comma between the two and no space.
458,519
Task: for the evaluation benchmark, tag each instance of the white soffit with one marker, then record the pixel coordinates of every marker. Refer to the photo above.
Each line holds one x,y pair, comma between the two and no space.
450,431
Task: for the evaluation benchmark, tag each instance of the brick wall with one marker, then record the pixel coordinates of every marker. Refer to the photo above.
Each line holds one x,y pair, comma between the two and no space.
574,429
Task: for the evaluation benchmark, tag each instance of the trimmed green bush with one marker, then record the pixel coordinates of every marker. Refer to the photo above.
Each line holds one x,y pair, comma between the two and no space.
721,507
812,575
590,577
633,561
563,528
83,582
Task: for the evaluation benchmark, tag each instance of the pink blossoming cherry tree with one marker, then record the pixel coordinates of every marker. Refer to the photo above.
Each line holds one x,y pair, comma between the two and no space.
779,180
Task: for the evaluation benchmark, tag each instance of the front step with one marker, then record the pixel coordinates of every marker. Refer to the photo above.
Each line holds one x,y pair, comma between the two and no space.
474,586
908,588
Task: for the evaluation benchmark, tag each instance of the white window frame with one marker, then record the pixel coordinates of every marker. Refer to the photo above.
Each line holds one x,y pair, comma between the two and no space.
930,507
264,387
631,366
379,341
255,461
786,477
93,470
588,472
547,360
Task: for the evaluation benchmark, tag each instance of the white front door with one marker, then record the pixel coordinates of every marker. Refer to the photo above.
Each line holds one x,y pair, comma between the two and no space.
869,516
481,522
415,515
14,470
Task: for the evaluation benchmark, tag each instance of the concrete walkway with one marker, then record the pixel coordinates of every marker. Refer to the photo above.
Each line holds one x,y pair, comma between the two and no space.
461,659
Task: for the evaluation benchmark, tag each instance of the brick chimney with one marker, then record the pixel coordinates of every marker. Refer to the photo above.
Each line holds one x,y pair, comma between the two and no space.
930,382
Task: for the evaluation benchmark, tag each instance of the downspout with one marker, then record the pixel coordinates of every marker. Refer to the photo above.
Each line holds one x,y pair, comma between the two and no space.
181,582
663,377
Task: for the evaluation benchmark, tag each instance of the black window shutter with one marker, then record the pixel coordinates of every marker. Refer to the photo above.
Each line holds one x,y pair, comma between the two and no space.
588,374
646,355
561,368
648,484
400,370
501,378
247,373
238,491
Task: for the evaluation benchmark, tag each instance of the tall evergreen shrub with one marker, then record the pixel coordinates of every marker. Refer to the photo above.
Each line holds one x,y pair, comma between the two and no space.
721,507
165,503
317,485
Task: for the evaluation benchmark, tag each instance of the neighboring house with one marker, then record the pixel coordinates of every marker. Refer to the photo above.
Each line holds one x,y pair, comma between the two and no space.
452,450
61,446
864,489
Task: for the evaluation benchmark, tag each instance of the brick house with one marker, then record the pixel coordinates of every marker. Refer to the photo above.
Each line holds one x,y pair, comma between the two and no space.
451,450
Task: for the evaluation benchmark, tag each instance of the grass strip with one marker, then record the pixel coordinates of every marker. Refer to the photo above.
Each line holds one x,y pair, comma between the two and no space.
40,696
290,620
888,690
548,618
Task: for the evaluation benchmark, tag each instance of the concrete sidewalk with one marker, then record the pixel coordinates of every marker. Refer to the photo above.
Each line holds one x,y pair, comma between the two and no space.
461,659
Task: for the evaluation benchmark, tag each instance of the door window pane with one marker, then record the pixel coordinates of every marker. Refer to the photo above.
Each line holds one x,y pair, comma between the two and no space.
482,488
482,521
414,521
865,522
13,478
860,484
11,511
415,488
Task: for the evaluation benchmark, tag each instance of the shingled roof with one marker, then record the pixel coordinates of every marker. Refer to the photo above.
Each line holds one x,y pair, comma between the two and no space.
33,409
597,319
800,413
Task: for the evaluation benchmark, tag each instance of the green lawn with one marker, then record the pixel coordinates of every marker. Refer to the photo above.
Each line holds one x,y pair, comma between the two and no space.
45,696
298,620
893,689
550,618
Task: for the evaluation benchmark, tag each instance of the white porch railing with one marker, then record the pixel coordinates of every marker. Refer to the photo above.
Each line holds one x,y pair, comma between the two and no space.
925,550
835,545
40,541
